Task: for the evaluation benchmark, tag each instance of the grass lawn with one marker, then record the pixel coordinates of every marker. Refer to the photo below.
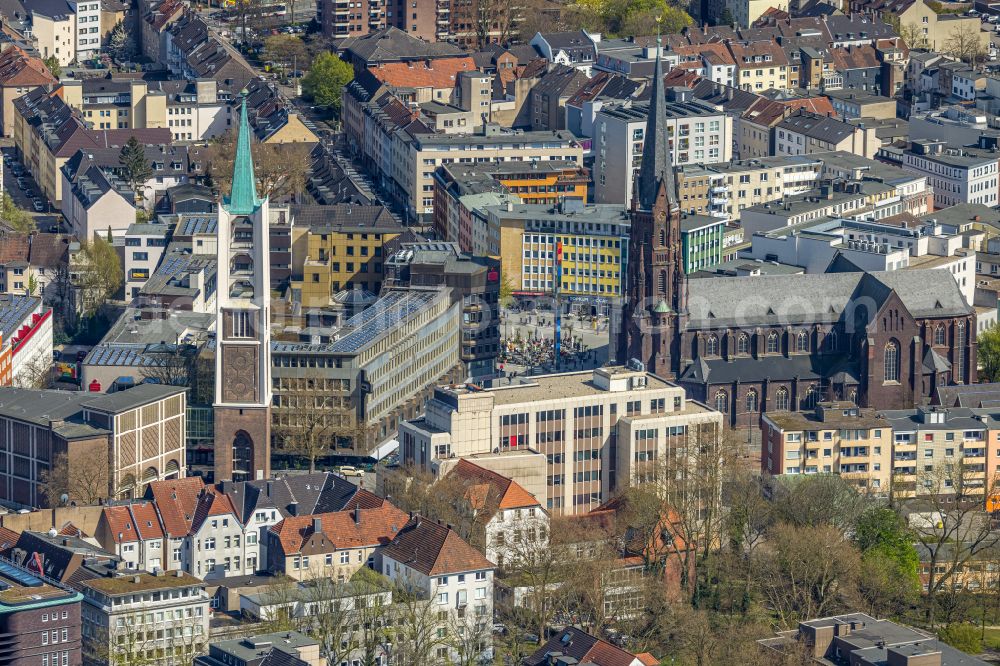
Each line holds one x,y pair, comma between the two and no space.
992,639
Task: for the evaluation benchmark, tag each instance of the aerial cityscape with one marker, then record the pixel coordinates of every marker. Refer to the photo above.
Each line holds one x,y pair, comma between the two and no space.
492,333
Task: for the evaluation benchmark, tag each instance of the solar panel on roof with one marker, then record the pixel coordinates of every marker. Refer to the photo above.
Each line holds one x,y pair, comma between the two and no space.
20,577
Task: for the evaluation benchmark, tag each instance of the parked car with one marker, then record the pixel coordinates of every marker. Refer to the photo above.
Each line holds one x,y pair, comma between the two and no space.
350,470
38,205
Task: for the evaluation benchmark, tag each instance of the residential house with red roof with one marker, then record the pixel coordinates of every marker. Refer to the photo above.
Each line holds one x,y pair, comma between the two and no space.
575,646
760,65
512,519
215,545
134,533
430,560
20,73
333,545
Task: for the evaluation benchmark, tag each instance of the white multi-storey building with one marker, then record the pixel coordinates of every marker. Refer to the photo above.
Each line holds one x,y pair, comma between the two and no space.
88,28
699,134
955,178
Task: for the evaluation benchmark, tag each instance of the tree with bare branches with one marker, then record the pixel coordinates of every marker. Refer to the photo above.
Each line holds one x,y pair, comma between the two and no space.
85,480
314,424
280,168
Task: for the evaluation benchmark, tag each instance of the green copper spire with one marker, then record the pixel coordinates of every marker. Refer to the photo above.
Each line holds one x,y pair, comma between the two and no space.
243,198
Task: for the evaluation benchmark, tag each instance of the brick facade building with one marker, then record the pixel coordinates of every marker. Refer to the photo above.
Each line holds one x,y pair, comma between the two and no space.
754,344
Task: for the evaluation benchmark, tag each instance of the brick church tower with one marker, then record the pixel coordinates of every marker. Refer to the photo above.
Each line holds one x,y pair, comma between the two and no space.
655,304
243,338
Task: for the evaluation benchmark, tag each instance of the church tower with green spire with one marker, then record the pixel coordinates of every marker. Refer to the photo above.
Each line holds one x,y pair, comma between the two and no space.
242,330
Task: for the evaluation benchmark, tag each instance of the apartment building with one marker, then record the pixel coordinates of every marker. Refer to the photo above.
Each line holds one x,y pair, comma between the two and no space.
351,19
416,156
588,241
938,450
138,434
20,73
572,438
25,340
955,176
40,618
96,201
745,183
805,133
54,28
698,133
760,65
507,514
288,646
333,545
701,241
47,133
191,110
343,247
144,248
836,438
431,561
160,618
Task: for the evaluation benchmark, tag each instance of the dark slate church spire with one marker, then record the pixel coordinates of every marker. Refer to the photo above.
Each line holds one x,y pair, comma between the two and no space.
656,162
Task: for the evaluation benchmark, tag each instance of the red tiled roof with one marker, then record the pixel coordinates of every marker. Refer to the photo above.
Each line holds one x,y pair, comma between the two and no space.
647,659
507,493
441,73
356,528
744,54
17,68
14,247
854,57
8,538
120,525
820,105
680,77
434,549
211,504
177,500
147,521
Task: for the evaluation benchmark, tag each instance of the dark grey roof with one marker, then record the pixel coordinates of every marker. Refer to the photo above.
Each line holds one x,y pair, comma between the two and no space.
51,8
318,492
140,395
345,217
955,418
815,126
746,369
394,45
780,299
972,395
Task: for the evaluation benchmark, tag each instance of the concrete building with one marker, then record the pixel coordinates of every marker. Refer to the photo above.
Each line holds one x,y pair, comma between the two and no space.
701,239
295,649
701,134
96,201
806,133
164,617
593,239
144,248
866,641
555,435
837,438
955,176
136,435
941,450
850,104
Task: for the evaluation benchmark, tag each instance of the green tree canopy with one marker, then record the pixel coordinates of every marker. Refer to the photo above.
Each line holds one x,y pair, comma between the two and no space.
53,64
989,353
324,84
137,169
14,216
962,636
629,17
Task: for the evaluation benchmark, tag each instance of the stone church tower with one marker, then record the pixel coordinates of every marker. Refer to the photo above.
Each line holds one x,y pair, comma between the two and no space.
655,304
243,338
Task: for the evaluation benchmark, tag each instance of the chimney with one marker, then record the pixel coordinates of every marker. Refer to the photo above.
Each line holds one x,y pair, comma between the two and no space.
357,515
293,508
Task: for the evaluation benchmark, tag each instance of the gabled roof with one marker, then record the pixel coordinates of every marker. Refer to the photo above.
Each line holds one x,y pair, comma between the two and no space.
394,45
14,247
355,528
17,68
212,504
434,549
488,489
177,500
586,649
438,74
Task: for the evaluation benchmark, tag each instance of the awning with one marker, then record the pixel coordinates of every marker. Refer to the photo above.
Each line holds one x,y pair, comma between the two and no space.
384,449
